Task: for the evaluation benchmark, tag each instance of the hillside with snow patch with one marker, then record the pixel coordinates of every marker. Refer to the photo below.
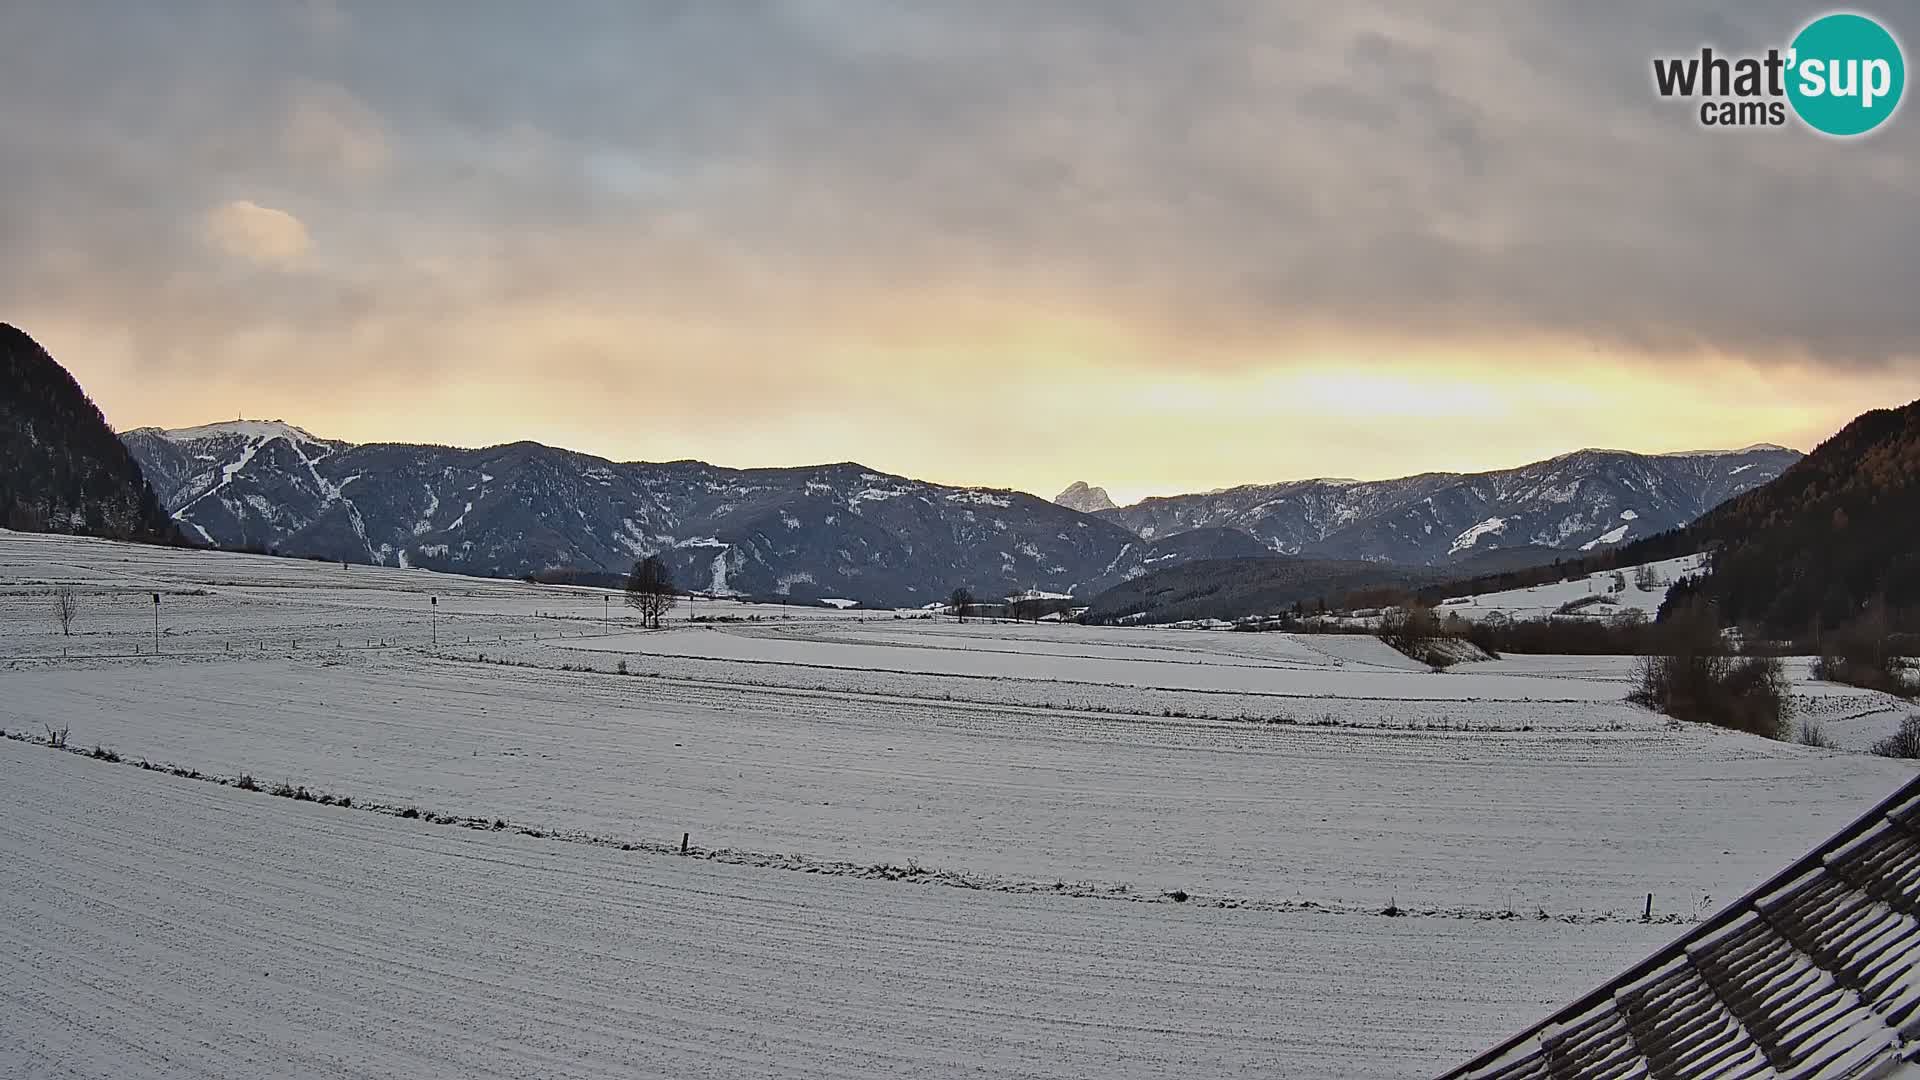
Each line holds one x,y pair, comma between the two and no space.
1582,501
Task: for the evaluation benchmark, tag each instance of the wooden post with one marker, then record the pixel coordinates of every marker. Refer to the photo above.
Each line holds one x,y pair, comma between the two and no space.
683,842
1648,917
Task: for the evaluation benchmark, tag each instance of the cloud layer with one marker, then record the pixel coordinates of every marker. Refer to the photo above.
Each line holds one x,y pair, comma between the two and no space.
817,223
259,234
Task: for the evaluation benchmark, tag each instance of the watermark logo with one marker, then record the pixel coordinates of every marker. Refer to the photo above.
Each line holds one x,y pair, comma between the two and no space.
1842,75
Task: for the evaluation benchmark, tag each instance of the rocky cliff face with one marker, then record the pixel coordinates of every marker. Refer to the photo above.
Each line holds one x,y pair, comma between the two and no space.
1087,500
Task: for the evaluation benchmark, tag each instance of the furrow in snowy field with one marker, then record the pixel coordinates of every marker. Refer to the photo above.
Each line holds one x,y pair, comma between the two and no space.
1566,821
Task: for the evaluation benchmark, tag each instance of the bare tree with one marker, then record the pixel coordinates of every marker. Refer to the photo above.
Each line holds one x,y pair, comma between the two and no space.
959,601
65,606
650,590
1646,578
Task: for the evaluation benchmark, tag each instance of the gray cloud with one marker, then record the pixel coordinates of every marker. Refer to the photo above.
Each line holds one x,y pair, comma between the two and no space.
1202,170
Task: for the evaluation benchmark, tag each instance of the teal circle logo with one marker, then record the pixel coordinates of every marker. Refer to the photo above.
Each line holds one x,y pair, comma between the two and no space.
1845,74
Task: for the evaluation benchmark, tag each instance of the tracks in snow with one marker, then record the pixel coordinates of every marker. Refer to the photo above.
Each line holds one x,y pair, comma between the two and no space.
910,873
173,930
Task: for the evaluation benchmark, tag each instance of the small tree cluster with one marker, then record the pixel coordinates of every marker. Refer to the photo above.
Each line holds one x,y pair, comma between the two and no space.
959,601
1695,679
1863,654
1416,631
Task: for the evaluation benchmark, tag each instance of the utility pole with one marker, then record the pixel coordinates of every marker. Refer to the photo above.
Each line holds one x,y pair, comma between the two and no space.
433,618
606,615
156,624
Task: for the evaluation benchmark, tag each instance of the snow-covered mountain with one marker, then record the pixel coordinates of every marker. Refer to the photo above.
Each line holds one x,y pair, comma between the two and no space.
827,531
1581,501
1087,500
846,531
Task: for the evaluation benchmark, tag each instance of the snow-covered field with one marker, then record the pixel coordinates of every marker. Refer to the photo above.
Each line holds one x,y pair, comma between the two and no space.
163,928
216,602
916,847
1599,595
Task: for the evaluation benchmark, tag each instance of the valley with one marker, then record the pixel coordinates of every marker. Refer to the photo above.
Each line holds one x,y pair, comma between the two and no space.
891,820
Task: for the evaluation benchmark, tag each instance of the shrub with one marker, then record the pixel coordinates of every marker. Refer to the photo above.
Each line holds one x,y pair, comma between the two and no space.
1812,734
1576,606
1625,634
101,753
410,812
1904,743
1864,656
246,783
1747,694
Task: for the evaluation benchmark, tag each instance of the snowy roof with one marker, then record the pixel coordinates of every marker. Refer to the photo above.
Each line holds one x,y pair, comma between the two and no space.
1813,975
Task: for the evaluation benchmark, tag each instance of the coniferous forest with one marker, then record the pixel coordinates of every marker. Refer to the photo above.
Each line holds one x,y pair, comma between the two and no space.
64,468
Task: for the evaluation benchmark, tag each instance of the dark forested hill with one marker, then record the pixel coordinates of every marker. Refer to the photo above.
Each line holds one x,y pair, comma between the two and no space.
62,468
1232,588
1833,535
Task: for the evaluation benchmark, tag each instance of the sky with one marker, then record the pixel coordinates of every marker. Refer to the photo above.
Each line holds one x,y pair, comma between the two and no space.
1159,247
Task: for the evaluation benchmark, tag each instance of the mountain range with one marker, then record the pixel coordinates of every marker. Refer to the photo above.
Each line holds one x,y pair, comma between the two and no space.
1581,501
828,531
845,531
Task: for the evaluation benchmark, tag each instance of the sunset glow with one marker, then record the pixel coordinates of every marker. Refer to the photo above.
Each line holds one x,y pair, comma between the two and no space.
705,238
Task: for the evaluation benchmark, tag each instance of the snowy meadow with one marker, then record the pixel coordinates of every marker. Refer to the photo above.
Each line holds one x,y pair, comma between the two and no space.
520,836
